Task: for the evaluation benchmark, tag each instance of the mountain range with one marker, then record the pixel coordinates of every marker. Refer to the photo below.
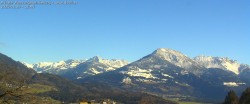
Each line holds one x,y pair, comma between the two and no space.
97,65
165,72
77,69
20,84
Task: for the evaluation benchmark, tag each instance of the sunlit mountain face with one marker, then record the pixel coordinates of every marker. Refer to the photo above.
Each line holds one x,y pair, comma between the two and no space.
165,72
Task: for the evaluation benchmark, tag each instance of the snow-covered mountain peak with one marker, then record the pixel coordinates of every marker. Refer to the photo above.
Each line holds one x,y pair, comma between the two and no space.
54,66
43,64
95,65
112,62
27,64
164,51
95,59
220,62
175,57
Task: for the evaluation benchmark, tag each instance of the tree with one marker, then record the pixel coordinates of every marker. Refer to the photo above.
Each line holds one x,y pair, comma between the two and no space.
231,98
245,97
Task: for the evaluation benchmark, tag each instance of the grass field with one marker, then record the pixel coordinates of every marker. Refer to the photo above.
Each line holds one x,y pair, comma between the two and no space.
186,102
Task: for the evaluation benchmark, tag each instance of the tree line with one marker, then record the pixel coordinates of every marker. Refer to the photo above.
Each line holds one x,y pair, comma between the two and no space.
232,98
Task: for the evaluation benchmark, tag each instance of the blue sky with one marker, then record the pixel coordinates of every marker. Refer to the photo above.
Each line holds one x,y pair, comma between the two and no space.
127,29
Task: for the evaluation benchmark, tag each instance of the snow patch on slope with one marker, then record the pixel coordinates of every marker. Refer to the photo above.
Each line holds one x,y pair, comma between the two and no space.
166,75
138,72
127,80
233,84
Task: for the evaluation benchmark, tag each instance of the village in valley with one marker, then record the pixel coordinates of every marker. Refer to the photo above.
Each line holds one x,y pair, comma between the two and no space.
104,101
